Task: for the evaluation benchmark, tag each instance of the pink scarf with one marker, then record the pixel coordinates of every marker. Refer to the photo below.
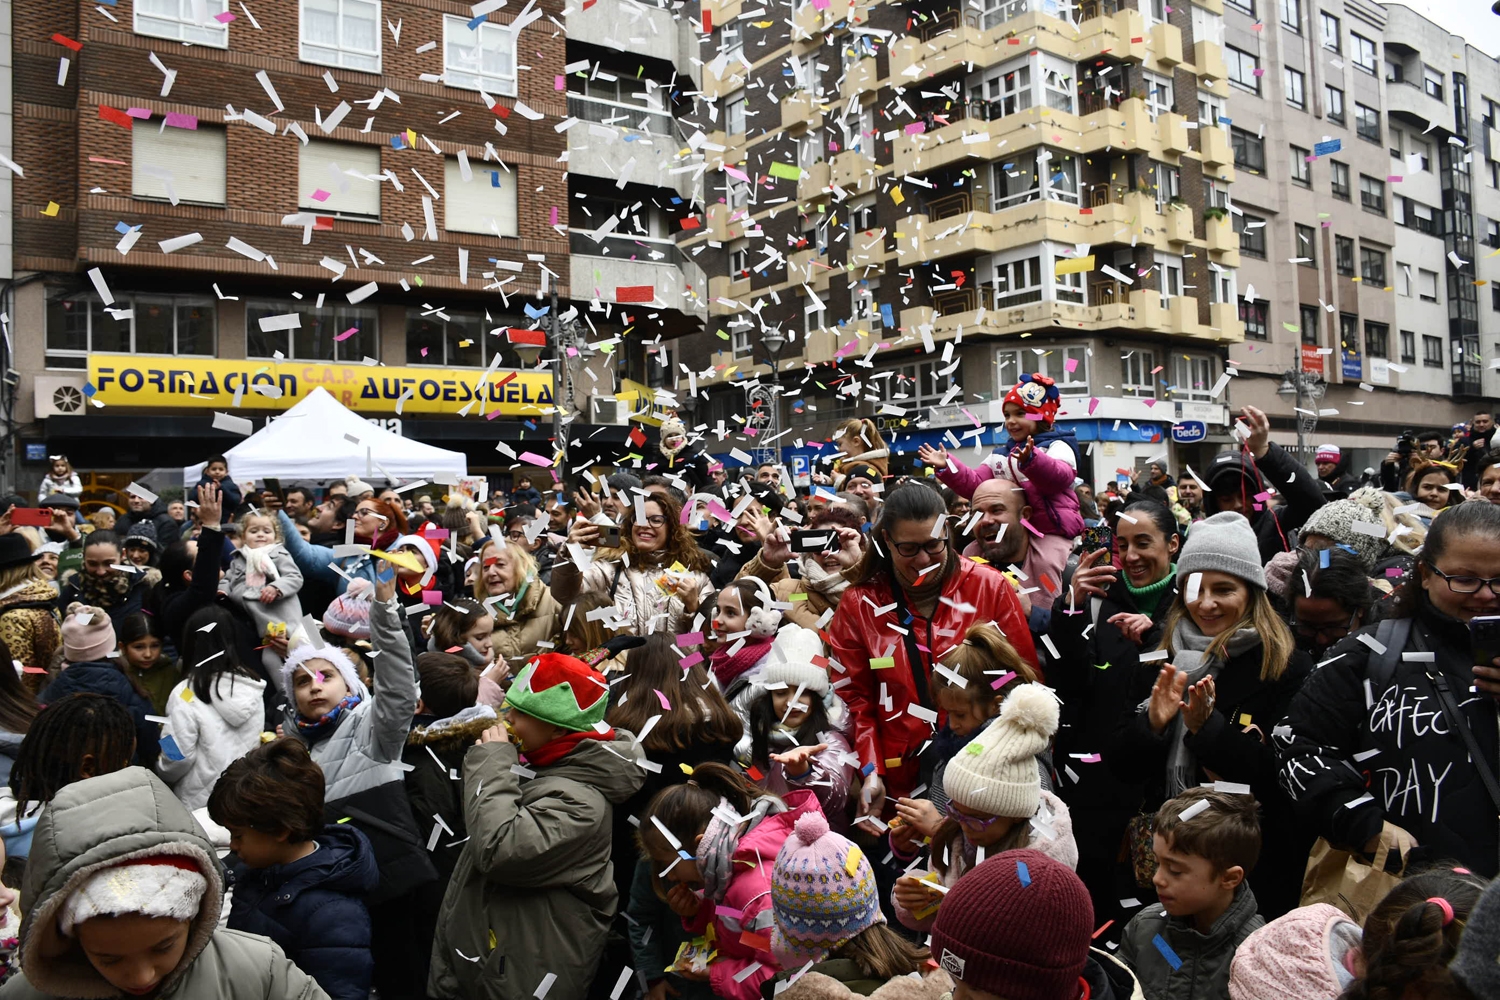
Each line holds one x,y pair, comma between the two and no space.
727,667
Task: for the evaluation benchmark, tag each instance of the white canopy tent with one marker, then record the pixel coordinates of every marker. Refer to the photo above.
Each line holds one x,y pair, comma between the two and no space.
321,439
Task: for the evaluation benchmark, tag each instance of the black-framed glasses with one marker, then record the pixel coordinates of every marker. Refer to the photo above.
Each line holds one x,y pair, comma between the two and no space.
933,547
655,520
1325,634
1468,584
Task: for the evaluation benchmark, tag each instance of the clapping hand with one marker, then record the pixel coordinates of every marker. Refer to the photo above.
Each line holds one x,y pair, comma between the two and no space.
1166,697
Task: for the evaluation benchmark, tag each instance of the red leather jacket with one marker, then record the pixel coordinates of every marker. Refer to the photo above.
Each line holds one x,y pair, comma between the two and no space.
890,739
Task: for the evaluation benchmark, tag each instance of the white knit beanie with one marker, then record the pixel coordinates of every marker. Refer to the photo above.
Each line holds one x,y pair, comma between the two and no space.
996,773
1224,543
161,886
301,652
790,661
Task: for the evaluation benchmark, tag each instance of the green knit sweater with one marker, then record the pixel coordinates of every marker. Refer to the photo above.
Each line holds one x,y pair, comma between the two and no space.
1148,597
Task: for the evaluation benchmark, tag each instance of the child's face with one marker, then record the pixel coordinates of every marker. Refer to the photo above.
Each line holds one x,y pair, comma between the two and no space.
134,952
318,687
1187,884
143,653
479,635
531,731
981,833
1016,424
257,848
730,616
782,700
104,518
259,532
965,716
216,471
1433,491
138,555
59,469
684,872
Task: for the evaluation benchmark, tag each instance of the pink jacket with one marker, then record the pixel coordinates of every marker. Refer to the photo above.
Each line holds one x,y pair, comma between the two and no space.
829,779
1048,483
742,922
1060,848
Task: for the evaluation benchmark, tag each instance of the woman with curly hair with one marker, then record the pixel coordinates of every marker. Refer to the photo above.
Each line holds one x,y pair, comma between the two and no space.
657,577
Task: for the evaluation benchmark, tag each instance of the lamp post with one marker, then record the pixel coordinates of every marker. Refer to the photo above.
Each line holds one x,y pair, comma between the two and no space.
1308,389
770,398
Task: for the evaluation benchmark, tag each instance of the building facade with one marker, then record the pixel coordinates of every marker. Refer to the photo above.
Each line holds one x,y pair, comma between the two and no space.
402,202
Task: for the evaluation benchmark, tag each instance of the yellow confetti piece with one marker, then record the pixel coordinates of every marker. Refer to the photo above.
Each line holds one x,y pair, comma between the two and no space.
882,662
897,196
493,942
799,597
411,138
51,209
187,694
1244,718
851,860
893,762
686,768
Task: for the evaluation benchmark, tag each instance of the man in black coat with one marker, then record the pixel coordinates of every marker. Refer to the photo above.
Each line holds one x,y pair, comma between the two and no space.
1236,478
1479,440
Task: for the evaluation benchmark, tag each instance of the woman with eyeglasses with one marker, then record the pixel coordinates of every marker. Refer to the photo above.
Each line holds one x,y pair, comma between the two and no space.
912,598
1205,713
1330,596
1373,749
376,524
657,577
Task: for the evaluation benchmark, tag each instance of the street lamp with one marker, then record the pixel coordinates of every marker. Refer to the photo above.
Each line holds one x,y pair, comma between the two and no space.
770,397
1308,389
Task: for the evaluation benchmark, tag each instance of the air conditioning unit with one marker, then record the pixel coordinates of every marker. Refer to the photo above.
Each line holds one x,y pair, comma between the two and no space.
608,410
59,395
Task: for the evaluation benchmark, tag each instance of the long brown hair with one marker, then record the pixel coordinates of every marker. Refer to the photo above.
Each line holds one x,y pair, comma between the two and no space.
699,716
685,809
1276,642
981,659
881,953
17,704
680,546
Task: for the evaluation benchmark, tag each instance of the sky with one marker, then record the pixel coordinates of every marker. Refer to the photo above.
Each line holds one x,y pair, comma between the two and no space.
1471,19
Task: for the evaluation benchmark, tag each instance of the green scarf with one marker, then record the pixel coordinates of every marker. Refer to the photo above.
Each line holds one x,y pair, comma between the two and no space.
1148,597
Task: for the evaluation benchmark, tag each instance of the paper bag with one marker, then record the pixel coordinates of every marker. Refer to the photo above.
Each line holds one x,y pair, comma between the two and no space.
1343,879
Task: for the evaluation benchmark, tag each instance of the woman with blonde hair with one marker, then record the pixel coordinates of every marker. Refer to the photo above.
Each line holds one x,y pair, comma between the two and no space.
28,621
526,614
1232,671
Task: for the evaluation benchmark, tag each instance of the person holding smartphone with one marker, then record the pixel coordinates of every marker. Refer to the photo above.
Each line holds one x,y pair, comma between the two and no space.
1395,741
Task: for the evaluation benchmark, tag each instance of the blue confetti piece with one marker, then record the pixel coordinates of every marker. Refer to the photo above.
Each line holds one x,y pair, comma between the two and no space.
536,312
1323,559
684,855
169,748
1167,952
1225,120
89,390
867,769
1023,873
474,24
494,178
886,315
121,228
397,142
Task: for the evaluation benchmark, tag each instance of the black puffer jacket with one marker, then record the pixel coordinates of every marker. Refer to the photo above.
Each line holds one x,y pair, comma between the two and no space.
1401,750
1233,473
1224,747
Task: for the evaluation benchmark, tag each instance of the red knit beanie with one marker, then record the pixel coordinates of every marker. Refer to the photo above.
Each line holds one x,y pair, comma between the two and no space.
1018,926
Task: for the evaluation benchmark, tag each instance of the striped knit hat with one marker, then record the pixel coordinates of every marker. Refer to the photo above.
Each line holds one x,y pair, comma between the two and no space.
822,893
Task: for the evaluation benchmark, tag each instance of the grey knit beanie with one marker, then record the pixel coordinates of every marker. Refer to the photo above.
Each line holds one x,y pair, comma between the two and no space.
1336,521
1224,543
1477,964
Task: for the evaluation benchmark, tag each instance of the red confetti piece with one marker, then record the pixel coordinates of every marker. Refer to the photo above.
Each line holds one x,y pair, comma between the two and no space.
67,42
116,116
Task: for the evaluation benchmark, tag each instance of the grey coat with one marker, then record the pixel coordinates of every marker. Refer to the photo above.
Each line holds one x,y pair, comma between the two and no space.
97,823
1204,970
288,580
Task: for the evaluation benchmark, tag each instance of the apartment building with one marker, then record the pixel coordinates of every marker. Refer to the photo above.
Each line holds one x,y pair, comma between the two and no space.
411,203
906,205
1360,162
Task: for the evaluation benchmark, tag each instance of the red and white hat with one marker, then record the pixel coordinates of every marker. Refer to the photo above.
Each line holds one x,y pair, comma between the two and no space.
1327,453
164,885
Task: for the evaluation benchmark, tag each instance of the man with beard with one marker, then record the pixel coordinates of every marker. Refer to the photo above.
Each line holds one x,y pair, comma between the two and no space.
1001,540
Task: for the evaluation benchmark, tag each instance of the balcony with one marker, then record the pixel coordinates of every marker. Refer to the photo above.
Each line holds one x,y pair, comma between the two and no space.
1221,237
952,227
720,12
1179,223
799,265
1224,318
862,76
717,224
807,26
1172,130
1214,146
801,108
1407,100
620,24
623,246
600,277
814,182
1208,60
1166,44
853,171
600,149
1112,33
939,46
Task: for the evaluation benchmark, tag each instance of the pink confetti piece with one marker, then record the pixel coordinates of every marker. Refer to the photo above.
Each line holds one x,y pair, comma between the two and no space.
535,459
690,639
321,195
689,661
666,706
346,334
1029,527
176,119
433,597
728,911
916,128
424,352
226,17
558,83
142,113
1070,365
1002,680
1090,758
1395,178
1093,405
1263,497
553,216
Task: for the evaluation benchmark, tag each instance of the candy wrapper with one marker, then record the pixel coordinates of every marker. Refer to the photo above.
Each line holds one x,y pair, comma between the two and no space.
933,879
276,630
693,956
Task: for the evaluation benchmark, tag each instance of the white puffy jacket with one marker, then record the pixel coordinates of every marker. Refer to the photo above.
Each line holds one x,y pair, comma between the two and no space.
211,734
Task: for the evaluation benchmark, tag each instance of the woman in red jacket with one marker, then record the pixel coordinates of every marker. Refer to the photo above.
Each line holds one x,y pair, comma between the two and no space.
912,600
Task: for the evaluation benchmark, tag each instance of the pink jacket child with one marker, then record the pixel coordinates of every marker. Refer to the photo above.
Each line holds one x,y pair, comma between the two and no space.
1044,465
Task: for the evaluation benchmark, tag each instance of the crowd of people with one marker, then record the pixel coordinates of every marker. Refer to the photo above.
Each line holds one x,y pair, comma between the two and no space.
980,730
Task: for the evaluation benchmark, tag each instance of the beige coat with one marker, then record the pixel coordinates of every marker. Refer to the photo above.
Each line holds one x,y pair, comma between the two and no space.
538,619
808,606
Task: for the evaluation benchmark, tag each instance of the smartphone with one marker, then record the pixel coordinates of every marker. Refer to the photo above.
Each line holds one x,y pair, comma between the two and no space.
35,517
813,539
274,485
609,537
1484,637
1098,536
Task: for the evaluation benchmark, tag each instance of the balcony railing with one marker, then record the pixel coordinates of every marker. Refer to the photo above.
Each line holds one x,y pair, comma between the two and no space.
942,22
1093,101
1098,8
950,205
962,300
632,116
622,246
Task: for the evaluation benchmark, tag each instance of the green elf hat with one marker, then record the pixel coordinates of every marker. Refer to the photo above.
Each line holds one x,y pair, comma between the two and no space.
562,690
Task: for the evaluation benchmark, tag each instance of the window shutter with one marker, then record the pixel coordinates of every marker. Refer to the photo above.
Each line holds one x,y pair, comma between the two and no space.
478,205
193,159
324,166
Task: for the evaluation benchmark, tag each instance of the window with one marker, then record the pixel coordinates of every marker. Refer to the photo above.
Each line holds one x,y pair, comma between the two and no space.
1491,112
1291,15
342,33
1372,193
1018,282
734,112
1305,250
1030,275
862,300
1053,362
1338,178
731,43
1432,351
1394,72
1310,324
1192,377
1367,122
1408,346
1256,317
1334,99
1248,6
1403,279
1343,254
814,317
1136,379
1377,340
1420,158
1330,25
1432,82
1415,215
1349,332
1033,175
1012,87
862,214
1366,54
457,340
1168,184
486,203
1398,139
1249,149
1296,94
159,324
1158,94
320,335
176,19
739,341
739,260
1372,265
1427,285
1169,277
911,386
1495,298
1492,232
178,164
339,178
1210,108
1215,194
1243,68
1252,230
1301,169
479,60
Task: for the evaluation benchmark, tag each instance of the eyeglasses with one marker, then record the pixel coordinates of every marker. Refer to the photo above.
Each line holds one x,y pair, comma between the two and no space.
1324,633
967,821
655,520
1467,584
933,547
369,512
516,536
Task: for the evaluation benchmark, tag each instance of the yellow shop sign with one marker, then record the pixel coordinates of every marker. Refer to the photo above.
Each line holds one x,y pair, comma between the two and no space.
126,380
